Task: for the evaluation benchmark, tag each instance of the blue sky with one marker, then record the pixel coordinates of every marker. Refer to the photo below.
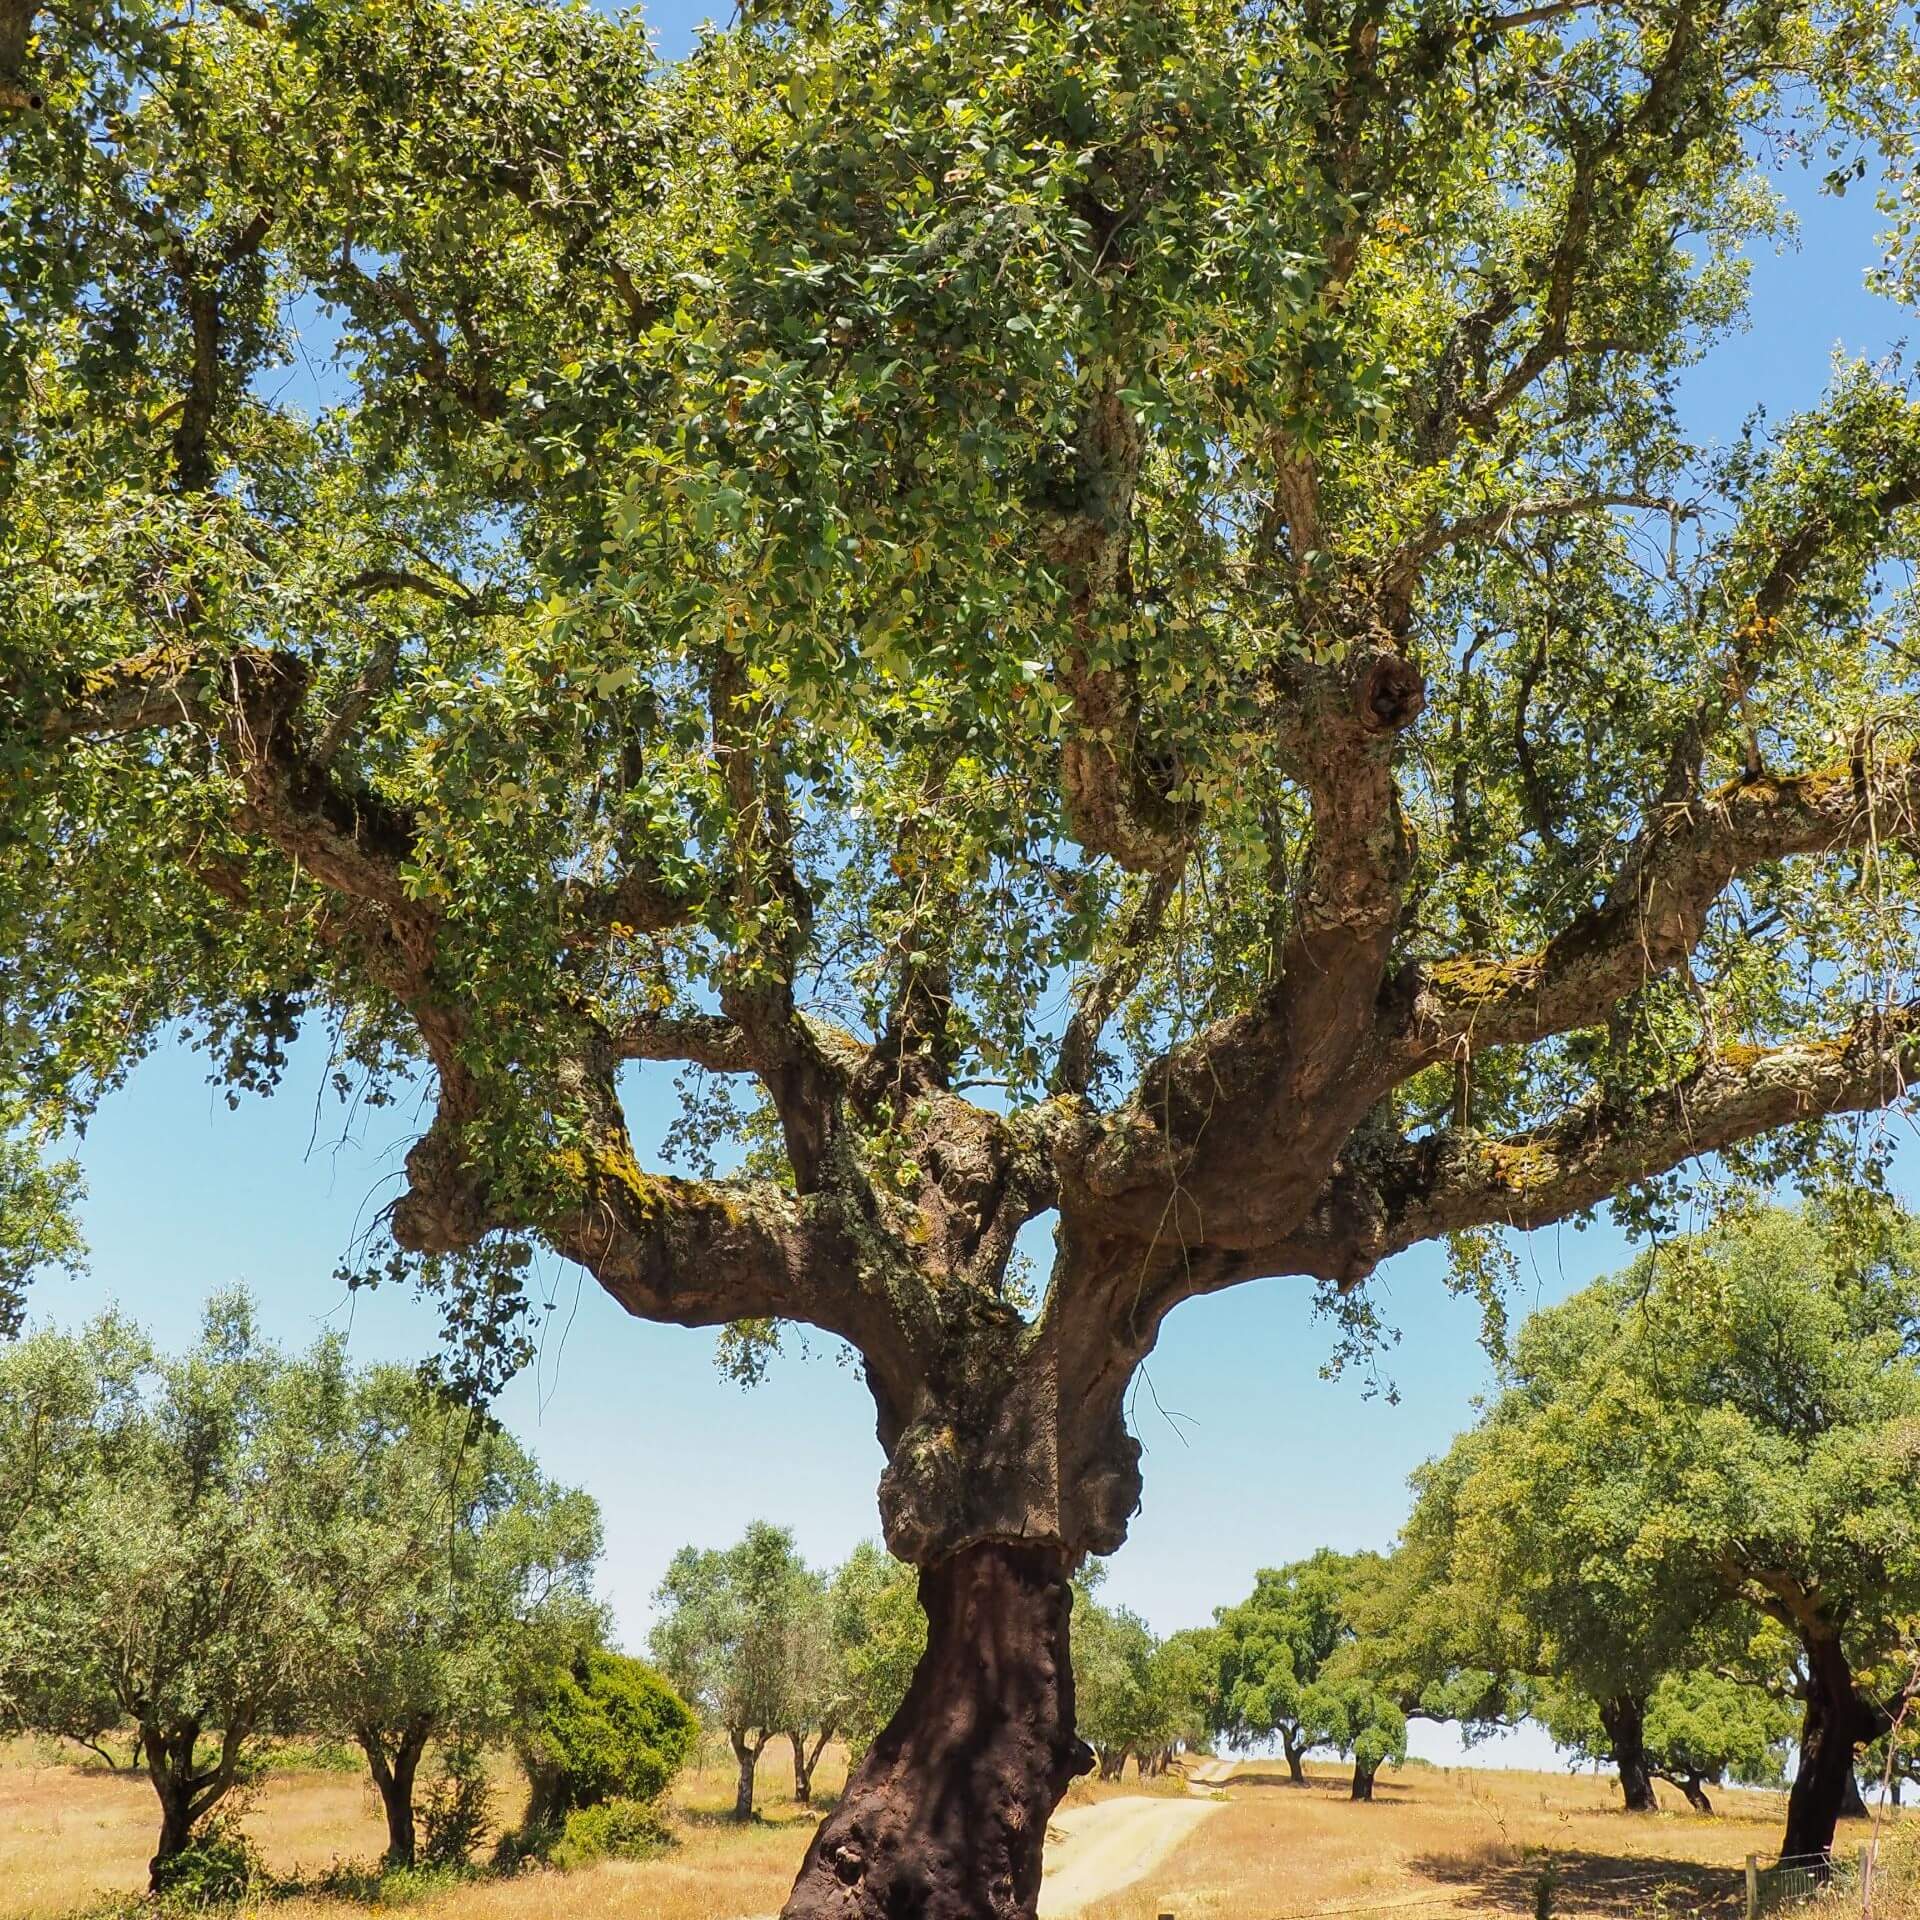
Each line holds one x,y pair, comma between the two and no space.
1251,1457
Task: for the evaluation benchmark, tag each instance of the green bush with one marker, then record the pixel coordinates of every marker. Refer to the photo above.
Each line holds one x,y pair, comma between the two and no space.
456,1809
613,1830
220,1867
606,1728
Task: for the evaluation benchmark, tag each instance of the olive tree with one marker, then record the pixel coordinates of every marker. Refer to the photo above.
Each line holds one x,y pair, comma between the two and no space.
149,1557
454,1576
879,1634
736,1635
809,551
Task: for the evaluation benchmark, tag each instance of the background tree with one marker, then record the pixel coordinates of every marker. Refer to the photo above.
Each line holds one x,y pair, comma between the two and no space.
601,1726
1698,1728
818,1699
732,1633
1113,1682
1731,1422
921,503
1272,1647
37,1227
1360,1719
879,1633
1185,1672
455,1576
153,1560
1534,1561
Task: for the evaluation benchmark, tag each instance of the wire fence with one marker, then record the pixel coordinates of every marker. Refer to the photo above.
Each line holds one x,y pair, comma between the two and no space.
1792,1878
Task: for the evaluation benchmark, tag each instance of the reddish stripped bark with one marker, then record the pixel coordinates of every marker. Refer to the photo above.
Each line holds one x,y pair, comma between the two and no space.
947,1816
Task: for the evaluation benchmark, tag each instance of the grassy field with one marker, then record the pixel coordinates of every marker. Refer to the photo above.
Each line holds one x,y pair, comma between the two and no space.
1465,1842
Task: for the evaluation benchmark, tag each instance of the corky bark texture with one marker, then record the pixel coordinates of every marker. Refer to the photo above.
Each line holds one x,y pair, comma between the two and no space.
946,1818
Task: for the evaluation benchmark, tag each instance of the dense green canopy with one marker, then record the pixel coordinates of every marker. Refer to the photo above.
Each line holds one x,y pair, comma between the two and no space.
1108,605
1721,1441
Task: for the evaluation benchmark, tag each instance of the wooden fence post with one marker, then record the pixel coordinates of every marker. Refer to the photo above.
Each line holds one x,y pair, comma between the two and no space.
1753,1886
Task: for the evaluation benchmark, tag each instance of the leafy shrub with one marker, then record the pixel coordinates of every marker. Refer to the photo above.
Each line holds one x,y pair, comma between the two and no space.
605,1728
613,1830
456,1810
219,1867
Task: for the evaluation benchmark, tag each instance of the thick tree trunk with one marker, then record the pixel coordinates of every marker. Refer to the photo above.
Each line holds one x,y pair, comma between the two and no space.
947,1815
1837,1721
802,1771
1363,1780
1624,1718
747,1753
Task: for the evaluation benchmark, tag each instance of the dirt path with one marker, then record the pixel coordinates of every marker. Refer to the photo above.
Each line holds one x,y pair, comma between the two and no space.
1102,1848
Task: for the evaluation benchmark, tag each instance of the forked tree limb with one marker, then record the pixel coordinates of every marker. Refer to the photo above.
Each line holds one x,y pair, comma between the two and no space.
1657,906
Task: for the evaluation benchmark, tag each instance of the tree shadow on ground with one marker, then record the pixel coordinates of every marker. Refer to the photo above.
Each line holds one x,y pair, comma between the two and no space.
1385,1792
1598,1883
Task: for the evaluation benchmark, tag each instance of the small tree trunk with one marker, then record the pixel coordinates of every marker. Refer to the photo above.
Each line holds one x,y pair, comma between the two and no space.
1624,1718
1363,1779
1694,1787
1294,1757
176,1829
1836,1721
393,1776
947,1815
747,1753
802,1771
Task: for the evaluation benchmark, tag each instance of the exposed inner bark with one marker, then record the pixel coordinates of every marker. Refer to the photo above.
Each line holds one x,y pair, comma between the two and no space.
1624,1718
1838,1720
946,1817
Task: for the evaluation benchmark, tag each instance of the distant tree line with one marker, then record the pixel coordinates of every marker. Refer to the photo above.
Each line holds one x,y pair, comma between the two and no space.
235,1543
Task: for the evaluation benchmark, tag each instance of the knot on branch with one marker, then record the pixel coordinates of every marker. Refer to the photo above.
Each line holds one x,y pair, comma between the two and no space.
1392,693
444,1209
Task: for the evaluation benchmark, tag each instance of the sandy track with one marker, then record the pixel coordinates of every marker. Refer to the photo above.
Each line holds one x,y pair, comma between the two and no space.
1108,1846
1104,1848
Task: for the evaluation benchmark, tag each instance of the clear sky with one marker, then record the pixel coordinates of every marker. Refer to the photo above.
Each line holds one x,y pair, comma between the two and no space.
1251,1457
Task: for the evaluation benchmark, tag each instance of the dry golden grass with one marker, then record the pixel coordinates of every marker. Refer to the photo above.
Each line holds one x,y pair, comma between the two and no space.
1462,1841
1434,1844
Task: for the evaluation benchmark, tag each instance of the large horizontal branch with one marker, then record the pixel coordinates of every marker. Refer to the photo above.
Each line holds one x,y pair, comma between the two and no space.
1389,1194
1657,907
707,1040
691,1253
1437,536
